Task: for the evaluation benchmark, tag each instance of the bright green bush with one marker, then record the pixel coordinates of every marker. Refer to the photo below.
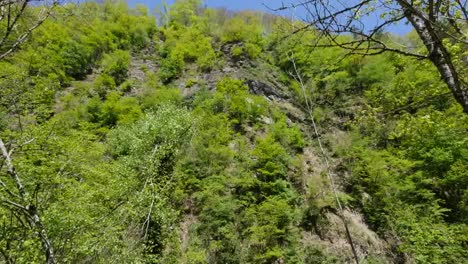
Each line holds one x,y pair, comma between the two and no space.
289,137
237,29
119,110
183,13
237,51
77,58
116,65
223,180
171,67
189,45
157,97
103,84
168,126
271,159
253,50
271,231
232,97
191,82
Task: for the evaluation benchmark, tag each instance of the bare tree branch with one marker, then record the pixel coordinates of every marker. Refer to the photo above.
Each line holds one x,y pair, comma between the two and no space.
11,169
28,211
432,20
18,19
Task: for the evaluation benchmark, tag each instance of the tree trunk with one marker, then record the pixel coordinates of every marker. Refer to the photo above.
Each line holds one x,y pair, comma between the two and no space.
36,223
29,211
438,54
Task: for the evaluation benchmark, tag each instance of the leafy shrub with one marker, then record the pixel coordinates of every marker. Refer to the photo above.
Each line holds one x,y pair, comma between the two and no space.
157,97
191,82
315,254
168,128
271,231
190,45
252,50
103,84
142,28
114,110
77,59
171,67
126,86
290,137
271,159
237,51
183,13
237,30
208,60
232,97
116,65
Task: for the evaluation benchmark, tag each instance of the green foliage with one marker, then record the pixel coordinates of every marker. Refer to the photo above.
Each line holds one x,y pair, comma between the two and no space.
156,97
164,130
440,147
411,175
249,50
149,149
232,97
142,27
402,142
237,51
430,240
119,110
271,159
124,169
288,136
114,110
103,84
393,80
171,67
271,229
191,82
237,29
78,59
183,13
253,50
116,65
314,254
185,45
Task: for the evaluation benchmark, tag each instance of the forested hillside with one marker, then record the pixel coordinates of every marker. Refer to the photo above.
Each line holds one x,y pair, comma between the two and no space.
197,135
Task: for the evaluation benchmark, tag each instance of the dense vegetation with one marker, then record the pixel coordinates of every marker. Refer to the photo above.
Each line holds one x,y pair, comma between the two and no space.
146,143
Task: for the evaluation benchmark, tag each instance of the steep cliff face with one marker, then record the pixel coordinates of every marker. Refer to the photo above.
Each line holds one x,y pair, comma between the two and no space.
320,224
219,137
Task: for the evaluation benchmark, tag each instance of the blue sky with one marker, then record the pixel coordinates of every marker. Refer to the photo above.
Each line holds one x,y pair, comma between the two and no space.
262,5
230,4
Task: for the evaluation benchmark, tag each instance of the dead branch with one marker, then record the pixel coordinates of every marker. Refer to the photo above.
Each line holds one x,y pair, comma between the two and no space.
28,211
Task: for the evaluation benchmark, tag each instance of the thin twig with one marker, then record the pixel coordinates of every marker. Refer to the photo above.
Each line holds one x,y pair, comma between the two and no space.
298,77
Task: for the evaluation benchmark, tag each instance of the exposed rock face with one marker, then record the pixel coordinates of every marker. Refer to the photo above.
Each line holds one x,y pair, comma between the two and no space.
264,82
260,88
139,67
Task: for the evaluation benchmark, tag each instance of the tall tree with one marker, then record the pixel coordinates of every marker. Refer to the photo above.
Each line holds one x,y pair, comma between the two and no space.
20,201
18,19
437,22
